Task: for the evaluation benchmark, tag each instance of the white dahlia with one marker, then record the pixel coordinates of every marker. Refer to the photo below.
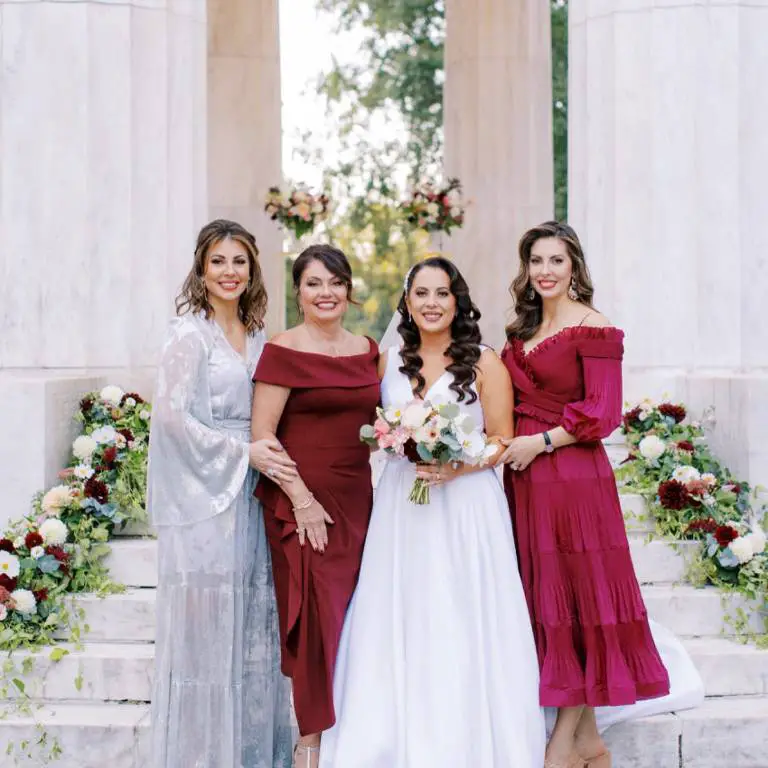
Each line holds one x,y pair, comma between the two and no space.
25,601
83,447
757,540
651,447
684,474
54,531
742,549
56,499
112,394
104,435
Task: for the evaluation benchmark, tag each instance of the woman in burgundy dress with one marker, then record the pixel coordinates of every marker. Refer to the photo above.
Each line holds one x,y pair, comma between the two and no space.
594,644
316,385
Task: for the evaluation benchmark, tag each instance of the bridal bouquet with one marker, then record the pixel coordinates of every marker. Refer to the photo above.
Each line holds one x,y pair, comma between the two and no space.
435,209
429,434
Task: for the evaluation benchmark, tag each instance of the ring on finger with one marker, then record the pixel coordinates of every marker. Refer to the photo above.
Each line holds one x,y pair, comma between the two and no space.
271,472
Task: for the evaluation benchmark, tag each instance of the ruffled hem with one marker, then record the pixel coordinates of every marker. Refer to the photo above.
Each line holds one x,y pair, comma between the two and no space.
600,666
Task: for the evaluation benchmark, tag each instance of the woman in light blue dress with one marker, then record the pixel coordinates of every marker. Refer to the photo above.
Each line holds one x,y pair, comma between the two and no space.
219,699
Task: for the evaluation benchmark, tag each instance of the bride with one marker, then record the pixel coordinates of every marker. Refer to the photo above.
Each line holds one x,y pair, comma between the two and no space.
437,664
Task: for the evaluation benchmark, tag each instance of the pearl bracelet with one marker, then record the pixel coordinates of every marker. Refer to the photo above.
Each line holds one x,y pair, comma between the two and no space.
306,504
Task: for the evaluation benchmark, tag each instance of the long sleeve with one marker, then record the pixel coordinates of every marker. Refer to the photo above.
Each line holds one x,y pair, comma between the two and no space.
195,470
598,413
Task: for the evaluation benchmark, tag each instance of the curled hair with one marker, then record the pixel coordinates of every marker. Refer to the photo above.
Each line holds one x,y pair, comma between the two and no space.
332,258
252,305
528,310
464,349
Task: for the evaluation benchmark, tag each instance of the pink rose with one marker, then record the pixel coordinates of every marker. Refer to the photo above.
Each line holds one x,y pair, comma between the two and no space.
381,428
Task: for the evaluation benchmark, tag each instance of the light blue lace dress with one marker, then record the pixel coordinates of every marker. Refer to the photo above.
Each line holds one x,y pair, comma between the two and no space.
219,699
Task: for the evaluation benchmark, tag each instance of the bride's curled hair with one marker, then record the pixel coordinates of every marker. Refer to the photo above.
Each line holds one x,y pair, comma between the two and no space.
464,350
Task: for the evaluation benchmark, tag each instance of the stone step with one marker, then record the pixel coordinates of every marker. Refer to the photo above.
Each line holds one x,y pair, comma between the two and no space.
636,516
133,561
105,672
617,452
690,612
127,617
89,736
134,529
661,562
722,732
729,668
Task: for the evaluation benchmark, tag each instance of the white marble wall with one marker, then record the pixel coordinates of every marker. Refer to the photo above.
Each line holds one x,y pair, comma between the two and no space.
102,189
498,139
667,165
244,128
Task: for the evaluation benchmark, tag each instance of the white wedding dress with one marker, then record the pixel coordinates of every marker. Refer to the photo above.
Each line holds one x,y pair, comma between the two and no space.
437,664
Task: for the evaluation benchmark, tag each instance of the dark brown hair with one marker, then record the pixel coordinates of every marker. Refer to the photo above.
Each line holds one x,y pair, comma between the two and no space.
194,298
528,310
333,259
464,349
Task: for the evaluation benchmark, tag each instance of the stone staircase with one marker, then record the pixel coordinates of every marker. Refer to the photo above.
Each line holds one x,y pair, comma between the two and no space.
105,722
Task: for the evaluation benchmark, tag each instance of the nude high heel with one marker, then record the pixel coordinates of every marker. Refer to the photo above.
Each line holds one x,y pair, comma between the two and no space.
299,751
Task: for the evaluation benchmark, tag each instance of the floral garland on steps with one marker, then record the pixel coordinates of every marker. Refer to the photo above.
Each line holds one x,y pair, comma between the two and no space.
691,495
58,548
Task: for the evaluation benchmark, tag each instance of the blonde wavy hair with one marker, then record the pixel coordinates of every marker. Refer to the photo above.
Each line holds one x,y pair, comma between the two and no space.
194,297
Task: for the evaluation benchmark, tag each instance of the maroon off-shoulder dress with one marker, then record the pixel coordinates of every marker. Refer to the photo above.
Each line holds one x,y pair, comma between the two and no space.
589,619
330,399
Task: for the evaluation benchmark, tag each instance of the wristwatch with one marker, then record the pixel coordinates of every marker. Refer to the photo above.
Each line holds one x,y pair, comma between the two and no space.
548,447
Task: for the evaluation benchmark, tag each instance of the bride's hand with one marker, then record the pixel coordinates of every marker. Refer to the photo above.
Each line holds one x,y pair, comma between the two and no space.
268,456
521,451
437,474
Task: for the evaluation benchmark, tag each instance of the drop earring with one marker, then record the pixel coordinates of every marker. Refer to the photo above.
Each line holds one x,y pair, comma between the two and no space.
573,294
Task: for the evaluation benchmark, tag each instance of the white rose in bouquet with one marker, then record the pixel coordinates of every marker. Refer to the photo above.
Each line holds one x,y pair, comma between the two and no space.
25,601
741,549
3,612
104,435
112,394
54,531
36,552
415,415
83,447
652,447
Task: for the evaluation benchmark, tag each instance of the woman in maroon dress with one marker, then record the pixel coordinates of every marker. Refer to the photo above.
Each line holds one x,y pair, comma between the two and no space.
594,644
316,385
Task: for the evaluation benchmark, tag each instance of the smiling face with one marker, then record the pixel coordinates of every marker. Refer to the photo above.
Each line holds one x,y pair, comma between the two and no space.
430,301
227,270
550,268
323,296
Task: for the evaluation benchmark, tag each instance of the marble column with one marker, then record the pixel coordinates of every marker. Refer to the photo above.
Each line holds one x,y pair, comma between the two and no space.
102,189
498,139
668,160
244,128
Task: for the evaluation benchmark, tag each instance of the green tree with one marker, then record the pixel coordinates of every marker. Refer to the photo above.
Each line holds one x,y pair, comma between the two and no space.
400,67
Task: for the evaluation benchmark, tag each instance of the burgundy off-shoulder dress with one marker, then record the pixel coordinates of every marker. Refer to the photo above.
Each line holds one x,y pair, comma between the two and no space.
330,399
590,623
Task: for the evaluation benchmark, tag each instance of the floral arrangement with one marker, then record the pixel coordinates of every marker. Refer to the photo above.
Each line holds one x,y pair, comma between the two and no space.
692,495
435,209
59,547
425,433
299,210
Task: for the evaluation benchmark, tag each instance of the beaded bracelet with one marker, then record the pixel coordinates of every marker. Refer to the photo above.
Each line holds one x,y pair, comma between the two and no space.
306,504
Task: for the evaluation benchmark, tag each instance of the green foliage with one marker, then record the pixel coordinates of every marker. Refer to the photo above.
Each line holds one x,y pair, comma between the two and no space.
401,69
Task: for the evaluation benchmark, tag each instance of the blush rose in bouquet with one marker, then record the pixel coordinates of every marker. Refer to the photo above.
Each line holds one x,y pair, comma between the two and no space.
428,433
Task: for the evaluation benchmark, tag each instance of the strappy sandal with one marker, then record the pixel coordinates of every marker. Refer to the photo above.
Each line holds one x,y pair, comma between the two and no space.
301,750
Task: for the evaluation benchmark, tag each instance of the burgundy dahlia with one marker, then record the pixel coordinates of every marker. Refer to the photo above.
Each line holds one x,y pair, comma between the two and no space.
58,552
686,445
96,489
41,595
702,525
137,398
410,452
677,412
631,418
109,456
85,405
6,545
725,535
33,539
7,582
673,495
127,434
